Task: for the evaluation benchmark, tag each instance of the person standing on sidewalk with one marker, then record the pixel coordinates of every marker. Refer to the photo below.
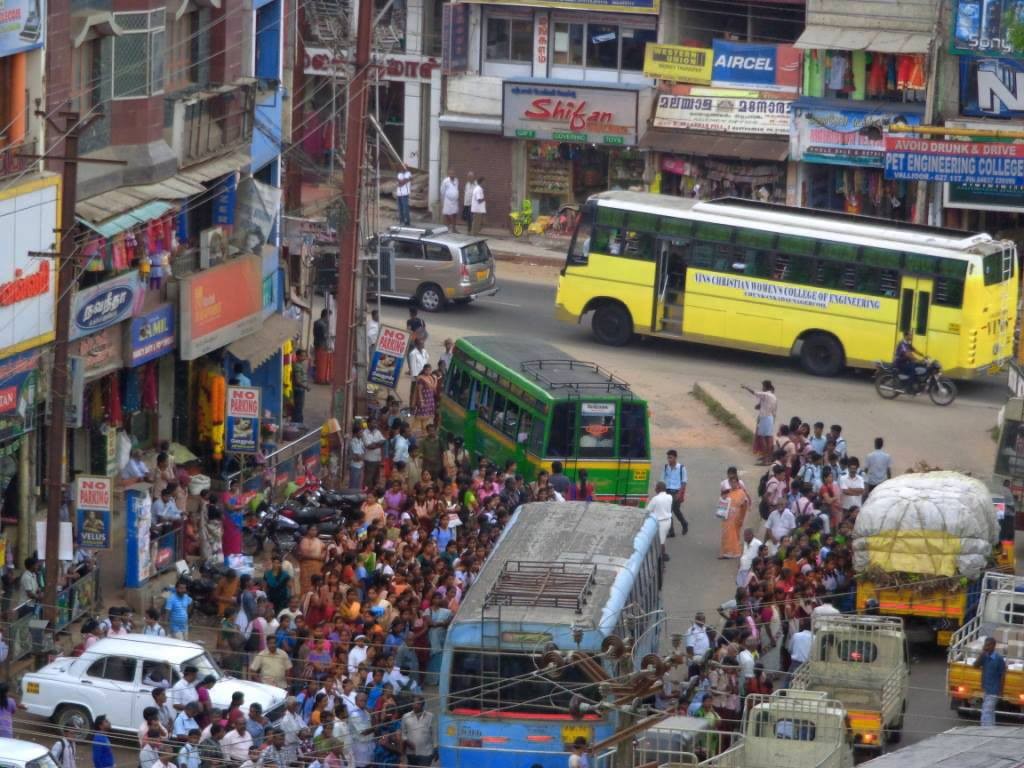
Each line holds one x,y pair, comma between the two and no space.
467,201
767,407
478,209
993,673
402,192
321,353
450,200
300,385
674,477
356,452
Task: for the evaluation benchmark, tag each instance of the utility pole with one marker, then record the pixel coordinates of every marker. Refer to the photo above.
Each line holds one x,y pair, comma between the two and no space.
348,234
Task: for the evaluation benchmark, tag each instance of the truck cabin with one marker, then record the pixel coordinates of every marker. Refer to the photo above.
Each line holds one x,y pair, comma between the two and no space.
794,733
861,651
1002,618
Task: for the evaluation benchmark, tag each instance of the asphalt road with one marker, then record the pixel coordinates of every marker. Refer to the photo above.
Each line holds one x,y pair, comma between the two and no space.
664,372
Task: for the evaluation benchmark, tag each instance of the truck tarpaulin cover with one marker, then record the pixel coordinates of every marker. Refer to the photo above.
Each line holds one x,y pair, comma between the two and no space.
936,523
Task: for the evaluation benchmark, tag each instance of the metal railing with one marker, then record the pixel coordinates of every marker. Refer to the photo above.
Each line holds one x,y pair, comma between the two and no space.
73,602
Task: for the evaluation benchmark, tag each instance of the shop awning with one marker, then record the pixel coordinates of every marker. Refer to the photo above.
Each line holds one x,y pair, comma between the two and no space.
824,37
258,347
708,145
133,218
91,25
97,211
221,166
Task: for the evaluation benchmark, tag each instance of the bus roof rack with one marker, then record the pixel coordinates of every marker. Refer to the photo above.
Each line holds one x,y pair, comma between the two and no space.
564,373
551,585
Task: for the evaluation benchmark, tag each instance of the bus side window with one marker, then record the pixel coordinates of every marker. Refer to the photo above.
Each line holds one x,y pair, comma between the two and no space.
510,425
579,250
525,424
563,426
498,412
633,431
536,444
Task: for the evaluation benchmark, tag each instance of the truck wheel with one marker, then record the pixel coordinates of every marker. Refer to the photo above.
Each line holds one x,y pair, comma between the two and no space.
73,716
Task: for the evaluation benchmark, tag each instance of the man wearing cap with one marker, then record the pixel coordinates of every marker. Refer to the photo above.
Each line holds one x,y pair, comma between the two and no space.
357,655
272,664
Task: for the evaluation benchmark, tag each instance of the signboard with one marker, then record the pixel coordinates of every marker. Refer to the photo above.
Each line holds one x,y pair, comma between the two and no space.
983,197
101,352
980,26
224,201
455,37
106,304
242,420
724,114
396,67
627,6
28,284
19,380
997,163
93,504
991,87
21,25
220,305
256,208
768,67
837,136
569,113
771,292
388,356
151,335
678,63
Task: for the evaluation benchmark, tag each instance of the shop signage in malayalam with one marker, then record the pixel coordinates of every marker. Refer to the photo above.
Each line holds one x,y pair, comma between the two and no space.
93,503
388,356
21,25
151,335
568,113
242,420
455,37
991,87
106,304
972,162
982,26
678,63
19,379
837,136
220,305
728,114
396,67
768,67
28,284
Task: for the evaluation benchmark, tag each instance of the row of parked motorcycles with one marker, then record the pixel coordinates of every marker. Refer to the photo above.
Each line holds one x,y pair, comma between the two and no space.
282,525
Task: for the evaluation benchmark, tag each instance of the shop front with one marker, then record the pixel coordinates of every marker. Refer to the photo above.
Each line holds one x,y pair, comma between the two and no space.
576,140
841,153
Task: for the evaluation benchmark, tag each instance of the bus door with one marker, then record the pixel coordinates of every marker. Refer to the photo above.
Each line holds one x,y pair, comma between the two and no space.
915,311
669,284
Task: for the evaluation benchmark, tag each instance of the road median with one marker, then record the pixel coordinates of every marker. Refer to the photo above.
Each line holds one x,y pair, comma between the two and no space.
721,404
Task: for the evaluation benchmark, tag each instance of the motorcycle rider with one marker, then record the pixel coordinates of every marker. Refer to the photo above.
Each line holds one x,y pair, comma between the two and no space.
905,359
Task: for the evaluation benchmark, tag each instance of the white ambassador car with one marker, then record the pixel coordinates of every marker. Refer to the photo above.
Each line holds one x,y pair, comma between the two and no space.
108,679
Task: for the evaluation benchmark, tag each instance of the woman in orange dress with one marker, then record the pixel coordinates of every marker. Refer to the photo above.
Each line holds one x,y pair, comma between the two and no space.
732,525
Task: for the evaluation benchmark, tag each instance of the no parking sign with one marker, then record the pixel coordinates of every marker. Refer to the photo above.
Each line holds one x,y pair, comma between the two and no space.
242,428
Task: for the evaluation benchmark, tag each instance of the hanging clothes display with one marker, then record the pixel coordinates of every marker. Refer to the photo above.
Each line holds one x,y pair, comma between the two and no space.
115,417
149,387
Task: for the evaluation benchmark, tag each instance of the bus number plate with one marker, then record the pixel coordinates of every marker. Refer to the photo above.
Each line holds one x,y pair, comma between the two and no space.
572,732
640,474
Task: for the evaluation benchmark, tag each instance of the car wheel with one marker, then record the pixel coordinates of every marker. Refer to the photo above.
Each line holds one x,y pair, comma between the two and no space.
431,298
821,355
612,325
73,716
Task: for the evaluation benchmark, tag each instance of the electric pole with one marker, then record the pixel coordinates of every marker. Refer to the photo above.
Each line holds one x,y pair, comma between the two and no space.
348,233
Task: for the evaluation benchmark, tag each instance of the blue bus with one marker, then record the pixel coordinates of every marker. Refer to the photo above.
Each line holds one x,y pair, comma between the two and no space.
564,578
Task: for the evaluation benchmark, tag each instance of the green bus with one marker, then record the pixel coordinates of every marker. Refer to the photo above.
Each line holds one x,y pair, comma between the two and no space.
529,401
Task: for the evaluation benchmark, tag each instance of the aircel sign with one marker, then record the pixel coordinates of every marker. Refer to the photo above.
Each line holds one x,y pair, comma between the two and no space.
766,67
103,305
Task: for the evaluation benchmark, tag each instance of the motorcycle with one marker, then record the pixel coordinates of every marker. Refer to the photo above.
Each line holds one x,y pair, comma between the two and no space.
201,581
282,532
890,383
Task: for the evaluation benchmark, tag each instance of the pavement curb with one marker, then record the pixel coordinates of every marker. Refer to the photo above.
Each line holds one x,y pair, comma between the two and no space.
723,408
519,257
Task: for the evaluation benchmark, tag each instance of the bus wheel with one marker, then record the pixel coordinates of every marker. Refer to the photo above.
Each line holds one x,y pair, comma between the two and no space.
612,325
821,355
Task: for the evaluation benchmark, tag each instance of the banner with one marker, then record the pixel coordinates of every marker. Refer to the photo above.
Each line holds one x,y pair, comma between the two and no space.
242,420
839,136
980,26
991,87
151,336
678,63
388,356
106,304
256,207
93,505
724,114
21,25
19,383
764,66
962,162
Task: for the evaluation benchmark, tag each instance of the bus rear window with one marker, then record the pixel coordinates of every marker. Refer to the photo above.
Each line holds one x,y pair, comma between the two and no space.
597,430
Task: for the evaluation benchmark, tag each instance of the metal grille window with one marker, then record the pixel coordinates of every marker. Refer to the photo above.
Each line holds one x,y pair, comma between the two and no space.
139,55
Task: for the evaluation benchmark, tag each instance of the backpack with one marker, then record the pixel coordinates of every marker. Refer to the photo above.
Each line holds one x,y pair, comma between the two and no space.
762,484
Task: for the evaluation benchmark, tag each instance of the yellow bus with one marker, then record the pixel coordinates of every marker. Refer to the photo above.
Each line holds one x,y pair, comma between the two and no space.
831,289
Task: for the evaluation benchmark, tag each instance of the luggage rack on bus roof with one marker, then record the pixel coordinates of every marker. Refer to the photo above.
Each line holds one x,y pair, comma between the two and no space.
545,585
600,379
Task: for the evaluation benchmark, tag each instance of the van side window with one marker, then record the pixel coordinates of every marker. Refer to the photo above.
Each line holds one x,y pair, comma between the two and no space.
404,249
437,252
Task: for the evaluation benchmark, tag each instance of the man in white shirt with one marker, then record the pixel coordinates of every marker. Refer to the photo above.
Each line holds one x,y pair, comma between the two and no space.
135,471
356,451
478,208
660,505
401,447
467,200
164,508
747,660
877,467
450,200
291,723
357,655
750,550
418,734
373,443
184,691
237,741
780,522
418,357
800,646
697,637
402,191
372,330
851,486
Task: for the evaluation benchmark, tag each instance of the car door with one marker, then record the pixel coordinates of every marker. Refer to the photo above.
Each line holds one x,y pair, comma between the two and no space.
147,677
440,268
408,265
113,686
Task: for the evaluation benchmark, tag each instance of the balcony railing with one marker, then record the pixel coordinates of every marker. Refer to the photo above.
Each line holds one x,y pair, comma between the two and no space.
212,122
11,162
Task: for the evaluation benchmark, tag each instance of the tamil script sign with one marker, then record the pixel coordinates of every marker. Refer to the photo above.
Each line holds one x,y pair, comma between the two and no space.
242,423
388,355
725,114
993,163
561,112
678,63
106,304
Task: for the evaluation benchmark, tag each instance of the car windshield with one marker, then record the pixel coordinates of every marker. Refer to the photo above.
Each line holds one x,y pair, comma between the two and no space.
205,665
476,253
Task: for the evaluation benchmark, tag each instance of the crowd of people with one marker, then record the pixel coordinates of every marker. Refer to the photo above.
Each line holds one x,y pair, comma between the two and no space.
794,561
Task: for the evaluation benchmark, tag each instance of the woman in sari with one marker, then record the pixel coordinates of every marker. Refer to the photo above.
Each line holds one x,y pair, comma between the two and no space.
732,525
424,400
311,552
